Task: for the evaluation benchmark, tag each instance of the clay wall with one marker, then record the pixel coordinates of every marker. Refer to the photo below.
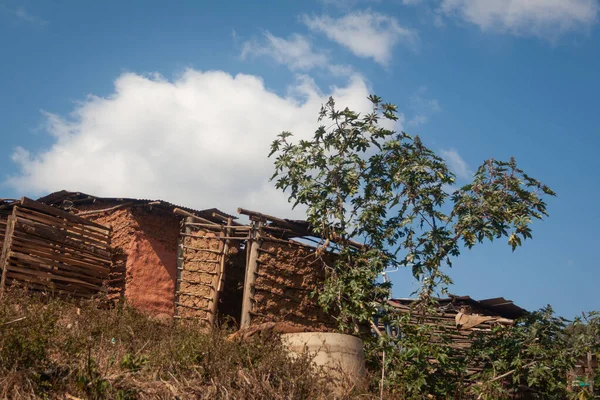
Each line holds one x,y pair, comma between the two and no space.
287,276
198,277
144,245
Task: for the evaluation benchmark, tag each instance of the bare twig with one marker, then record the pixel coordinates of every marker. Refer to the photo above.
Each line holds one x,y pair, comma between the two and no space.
13,321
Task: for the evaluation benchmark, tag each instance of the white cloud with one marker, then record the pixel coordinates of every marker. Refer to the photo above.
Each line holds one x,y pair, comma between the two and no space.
347,4
200,140
456,164
418,120
544,18
423,106
366,34
296,52
24,15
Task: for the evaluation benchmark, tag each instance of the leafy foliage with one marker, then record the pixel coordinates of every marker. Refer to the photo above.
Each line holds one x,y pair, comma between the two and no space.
359,179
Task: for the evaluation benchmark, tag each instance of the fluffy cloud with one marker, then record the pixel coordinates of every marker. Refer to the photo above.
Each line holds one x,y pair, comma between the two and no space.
367,34
200,140
456,164
543,18
423,106
296,52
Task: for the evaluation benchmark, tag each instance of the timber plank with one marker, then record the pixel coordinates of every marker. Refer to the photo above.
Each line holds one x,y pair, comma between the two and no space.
41,288
44,282
6,250
64,233
56,268
46,219
44,232
22,268
89,269
23,237
66,250
35,205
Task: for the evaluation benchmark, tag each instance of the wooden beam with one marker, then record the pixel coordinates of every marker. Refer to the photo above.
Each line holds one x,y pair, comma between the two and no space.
60,237
220,277
10,229
180,255
250,279
184,213
57,212
92,212
300,229
265,217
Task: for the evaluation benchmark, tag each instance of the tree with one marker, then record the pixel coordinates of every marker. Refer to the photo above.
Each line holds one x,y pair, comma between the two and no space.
359,179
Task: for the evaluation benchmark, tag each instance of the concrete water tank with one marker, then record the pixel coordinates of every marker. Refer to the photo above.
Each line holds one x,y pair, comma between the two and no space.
342,356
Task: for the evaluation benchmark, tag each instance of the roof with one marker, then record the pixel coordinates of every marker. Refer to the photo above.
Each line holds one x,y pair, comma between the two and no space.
497,305
68,199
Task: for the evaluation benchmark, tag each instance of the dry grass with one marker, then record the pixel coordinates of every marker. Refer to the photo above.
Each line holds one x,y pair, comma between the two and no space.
50,348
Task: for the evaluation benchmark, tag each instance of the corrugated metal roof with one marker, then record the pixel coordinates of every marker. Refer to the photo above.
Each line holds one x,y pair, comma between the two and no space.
498,305
60,199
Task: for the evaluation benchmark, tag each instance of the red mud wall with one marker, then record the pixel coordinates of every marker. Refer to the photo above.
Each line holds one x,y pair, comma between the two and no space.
144,244
287,275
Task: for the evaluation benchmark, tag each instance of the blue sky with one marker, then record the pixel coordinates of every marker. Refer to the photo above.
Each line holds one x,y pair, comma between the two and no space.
178,101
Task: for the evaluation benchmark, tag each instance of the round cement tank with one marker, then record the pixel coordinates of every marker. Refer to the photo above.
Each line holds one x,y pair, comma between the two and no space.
342,355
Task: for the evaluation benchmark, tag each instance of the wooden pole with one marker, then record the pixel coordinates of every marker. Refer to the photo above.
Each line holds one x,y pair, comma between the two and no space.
221,274
249,281
8,236
300,228
195,217
180,263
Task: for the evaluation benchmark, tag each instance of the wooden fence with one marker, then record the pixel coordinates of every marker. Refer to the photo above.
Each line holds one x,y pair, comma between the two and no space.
48,249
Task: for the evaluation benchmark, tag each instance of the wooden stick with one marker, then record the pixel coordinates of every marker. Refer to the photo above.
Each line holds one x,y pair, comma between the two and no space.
10,229
57,212
220,278
14,320
233,227
217,237
180,247
198,260
225,253
92,212
201,249
250,279
197,296
194,216
194,308
60,237
83,230
265,217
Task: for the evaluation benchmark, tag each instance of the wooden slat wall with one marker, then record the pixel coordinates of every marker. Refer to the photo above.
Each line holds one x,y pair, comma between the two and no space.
2,228
54,252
